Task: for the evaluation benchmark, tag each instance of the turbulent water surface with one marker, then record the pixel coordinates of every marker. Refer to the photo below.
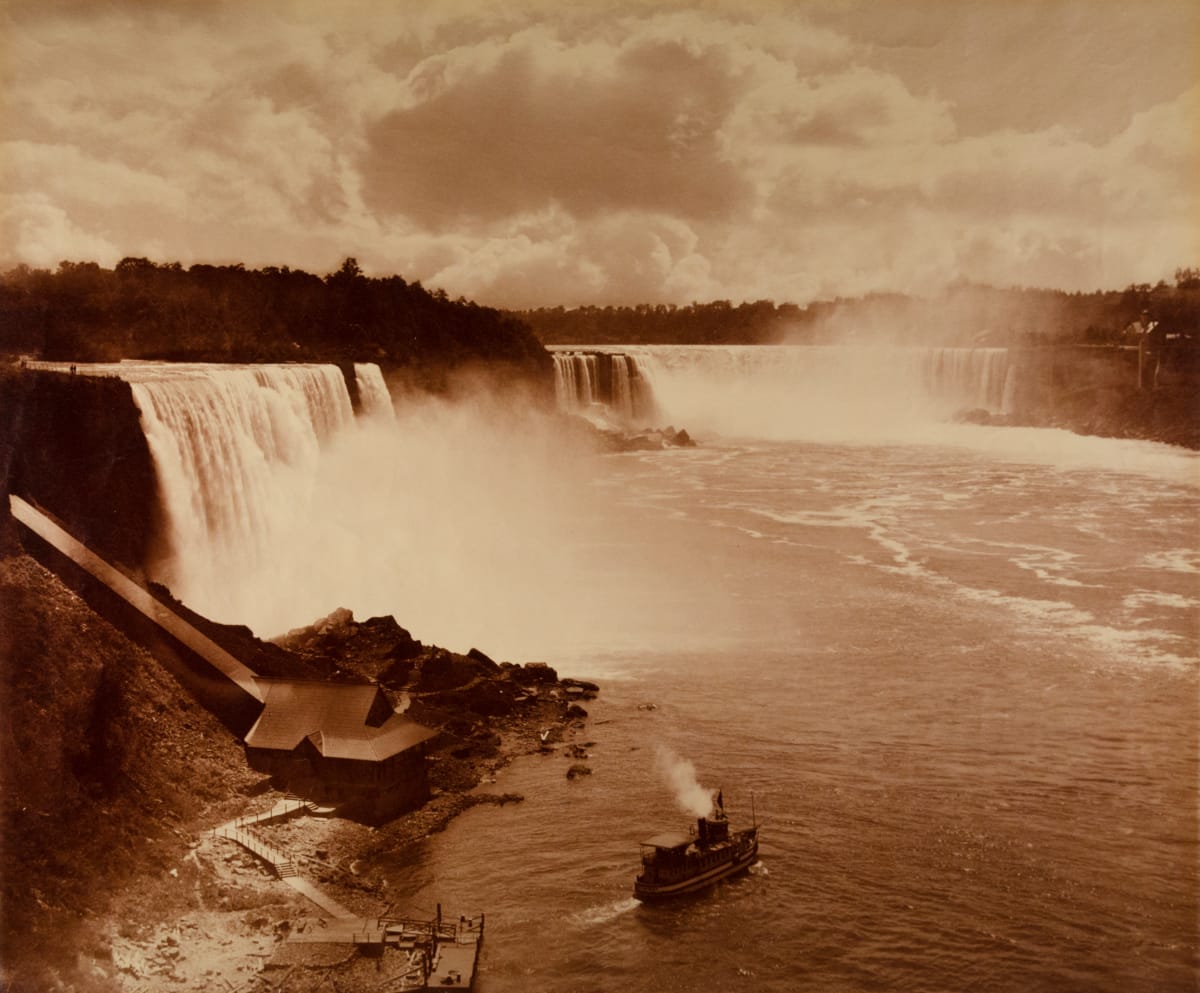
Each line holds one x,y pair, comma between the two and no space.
960,689
954,666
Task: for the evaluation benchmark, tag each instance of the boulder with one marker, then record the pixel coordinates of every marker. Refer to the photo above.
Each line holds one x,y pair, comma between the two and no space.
532,673
397,674
479,656
341,621
444,670
365,648
580,687
490,698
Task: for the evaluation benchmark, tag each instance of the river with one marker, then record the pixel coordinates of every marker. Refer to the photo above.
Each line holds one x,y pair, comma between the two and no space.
951,668
957,685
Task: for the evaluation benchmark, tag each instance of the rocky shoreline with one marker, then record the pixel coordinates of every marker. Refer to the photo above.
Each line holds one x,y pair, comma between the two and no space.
236,932
486,713
113,878
1166,415
610,440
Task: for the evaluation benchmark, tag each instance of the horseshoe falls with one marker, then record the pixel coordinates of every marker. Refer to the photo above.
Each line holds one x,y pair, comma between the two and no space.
816,392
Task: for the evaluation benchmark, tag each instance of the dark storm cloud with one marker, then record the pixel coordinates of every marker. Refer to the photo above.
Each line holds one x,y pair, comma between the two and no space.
509,132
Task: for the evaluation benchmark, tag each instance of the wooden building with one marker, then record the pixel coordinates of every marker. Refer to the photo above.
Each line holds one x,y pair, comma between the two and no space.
340,744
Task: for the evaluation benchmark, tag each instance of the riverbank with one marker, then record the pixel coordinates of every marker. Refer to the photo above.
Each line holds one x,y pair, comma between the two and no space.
114,779
1098,396
237,928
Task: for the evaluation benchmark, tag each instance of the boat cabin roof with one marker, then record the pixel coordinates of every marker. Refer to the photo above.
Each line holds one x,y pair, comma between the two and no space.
669,841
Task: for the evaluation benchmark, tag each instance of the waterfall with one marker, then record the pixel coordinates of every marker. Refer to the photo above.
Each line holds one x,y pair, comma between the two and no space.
608,387
622,389
373,393
566,389
235,450
585,380
643,409
276,505
783,391
972,377
575,380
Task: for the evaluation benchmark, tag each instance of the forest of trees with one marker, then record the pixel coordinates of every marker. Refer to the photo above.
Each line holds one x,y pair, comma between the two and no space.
142,309
963,315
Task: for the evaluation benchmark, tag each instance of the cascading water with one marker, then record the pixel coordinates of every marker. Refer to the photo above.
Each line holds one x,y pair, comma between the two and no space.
844,393
575,381
974,377
622,389
471,519
564,382
373,394
607,386
278,505
235,450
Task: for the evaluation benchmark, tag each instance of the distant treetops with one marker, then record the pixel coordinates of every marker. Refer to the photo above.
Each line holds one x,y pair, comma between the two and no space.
143,309
964,314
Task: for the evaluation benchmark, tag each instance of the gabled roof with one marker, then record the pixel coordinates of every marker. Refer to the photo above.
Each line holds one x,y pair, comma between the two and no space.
338,720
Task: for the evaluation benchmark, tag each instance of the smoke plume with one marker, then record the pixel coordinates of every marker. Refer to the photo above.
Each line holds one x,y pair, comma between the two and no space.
680,775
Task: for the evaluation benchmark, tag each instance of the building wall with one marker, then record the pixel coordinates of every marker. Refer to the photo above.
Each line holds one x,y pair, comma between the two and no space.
372,790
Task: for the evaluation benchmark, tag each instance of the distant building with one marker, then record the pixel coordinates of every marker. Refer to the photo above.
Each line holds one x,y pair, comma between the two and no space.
340,744
1150,338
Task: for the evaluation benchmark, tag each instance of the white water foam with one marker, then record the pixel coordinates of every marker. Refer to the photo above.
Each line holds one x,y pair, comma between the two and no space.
1183,560
605,912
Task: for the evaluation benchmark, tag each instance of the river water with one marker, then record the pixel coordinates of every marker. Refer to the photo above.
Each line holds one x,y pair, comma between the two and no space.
957,684
951,668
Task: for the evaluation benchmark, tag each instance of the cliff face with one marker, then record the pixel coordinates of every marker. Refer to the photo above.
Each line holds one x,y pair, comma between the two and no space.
74,445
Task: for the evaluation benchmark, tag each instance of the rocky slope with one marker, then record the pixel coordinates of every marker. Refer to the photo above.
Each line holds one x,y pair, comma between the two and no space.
107,768
112,778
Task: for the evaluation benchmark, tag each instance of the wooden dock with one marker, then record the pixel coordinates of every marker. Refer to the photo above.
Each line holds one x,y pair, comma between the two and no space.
440,954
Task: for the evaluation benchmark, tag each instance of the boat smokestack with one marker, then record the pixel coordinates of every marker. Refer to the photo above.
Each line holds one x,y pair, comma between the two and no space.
710,831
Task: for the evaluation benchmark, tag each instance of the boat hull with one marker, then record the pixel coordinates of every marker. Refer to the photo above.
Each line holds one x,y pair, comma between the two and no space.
651,892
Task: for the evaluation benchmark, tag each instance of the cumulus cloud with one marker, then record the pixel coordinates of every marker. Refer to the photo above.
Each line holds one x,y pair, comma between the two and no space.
541,153
633,255
41,234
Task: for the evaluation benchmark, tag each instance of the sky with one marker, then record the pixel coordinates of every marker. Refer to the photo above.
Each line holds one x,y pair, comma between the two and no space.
526,154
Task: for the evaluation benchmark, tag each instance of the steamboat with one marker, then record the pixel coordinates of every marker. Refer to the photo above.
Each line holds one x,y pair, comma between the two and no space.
674,864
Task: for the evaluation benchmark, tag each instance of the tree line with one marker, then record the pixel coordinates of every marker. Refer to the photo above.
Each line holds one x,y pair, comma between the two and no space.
963,315
227,313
